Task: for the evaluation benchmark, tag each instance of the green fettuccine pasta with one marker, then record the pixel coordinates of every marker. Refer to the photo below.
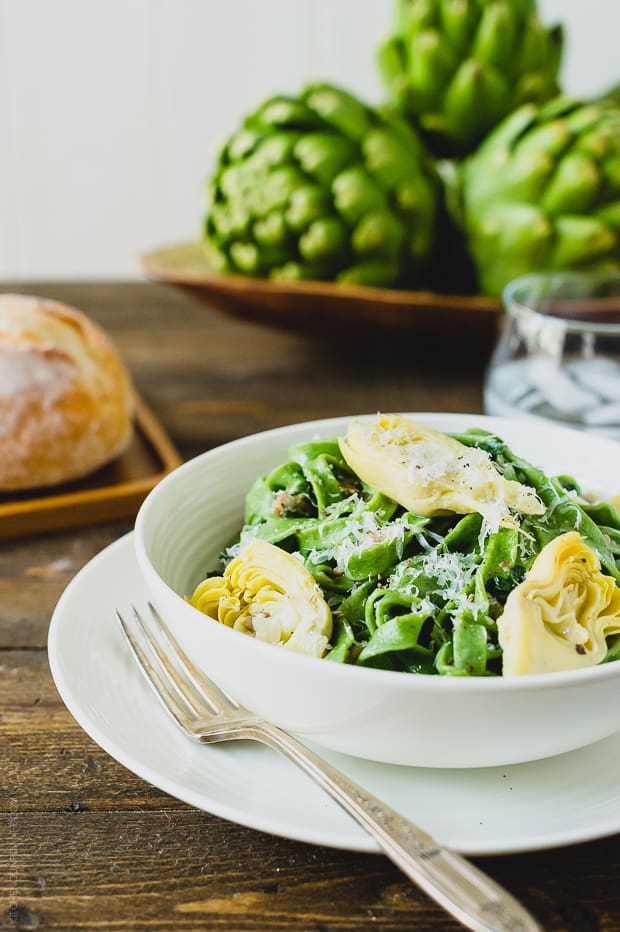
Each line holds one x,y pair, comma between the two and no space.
426,593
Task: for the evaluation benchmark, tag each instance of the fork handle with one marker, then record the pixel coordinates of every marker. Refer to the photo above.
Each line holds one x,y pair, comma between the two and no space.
464,891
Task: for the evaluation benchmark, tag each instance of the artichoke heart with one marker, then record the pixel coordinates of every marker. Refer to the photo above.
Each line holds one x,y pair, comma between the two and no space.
429,473
267,593
559,616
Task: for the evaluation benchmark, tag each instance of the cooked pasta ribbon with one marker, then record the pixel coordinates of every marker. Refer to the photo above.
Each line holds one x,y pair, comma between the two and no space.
267,593
559,617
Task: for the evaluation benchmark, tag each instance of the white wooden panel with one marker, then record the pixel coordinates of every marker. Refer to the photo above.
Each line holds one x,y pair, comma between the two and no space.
591,61
205,73
8,216
79,85
112,109
343,37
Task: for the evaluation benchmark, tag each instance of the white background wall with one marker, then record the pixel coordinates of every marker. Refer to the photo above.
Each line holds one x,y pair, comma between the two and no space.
111,110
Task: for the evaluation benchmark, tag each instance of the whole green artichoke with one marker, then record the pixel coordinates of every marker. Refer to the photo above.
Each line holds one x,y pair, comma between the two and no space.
322,187
458,67
543,192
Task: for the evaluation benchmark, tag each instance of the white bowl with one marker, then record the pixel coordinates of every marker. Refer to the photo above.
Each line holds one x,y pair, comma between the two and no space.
398,718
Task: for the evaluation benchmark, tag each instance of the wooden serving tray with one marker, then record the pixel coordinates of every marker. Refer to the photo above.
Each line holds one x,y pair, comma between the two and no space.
323,308
115,491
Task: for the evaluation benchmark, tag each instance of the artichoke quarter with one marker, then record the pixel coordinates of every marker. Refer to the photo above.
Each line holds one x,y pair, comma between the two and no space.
458,67
430,473
268,594
542,193
559,617
321,186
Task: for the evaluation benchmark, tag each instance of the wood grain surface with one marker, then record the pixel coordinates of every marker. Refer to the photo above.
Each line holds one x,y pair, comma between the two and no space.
86,845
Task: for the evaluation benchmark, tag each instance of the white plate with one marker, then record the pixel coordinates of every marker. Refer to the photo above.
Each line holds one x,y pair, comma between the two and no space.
558,801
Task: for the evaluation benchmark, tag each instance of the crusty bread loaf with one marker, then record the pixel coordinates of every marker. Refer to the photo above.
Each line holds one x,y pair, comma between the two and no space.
66,402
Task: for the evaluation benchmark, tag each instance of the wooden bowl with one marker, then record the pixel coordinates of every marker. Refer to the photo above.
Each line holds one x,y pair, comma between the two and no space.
323,308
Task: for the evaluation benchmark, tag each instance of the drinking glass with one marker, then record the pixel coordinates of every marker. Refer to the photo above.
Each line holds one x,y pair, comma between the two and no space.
558,353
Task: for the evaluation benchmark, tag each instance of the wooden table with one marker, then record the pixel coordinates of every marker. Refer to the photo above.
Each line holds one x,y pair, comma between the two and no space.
84,844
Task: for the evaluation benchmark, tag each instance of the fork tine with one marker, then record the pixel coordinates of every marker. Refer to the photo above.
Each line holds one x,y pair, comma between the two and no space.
215,695
172,667
181,712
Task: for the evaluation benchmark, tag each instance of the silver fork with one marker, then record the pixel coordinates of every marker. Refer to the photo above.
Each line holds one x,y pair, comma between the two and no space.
207,714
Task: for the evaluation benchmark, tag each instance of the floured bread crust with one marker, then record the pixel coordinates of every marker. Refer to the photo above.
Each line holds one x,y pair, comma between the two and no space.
66,401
